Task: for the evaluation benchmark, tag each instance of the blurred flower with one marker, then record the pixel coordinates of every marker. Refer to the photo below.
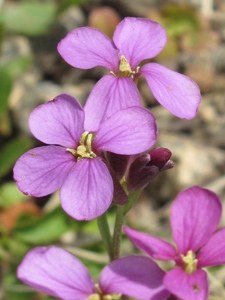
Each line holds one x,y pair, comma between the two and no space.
134,41
58,273
195,215
137,171
73,161
146,167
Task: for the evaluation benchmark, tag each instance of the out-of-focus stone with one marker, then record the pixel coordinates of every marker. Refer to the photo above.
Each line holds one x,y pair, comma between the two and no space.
14,47
26,96
72,18
105,19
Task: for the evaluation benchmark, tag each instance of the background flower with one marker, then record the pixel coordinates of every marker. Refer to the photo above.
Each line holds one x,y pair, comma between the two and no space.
58,273
134,40
195,215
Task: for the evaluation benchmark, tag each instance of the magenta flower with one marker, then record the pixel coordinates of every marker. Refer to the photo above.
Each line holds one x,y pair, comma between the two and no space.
134,41
58,273
73,161
195,215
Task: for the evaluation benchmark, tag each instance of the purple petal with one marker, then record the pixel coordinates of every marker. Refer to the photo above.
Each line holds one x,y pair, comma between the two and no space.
155,247
87,47
108,96
42,171
139,39
129,131
176,92
187,286
88,190
56,272
195,215
213,253
60,121
134,276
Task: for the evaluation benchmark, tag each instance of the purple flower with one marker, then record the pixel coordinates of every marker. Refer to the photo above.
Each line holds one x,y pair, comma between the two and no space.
73,161
134,41
58,273
195,215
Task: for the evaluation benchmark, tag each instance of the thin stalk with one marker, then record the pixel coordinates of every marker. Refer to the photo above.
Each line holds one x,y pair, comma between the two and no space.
105,234
132,199
117,232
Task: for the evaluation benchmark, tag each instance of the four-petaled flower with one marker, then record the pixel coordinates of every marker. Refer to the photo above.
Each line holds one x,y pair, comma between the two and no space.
58,273
195,215
134,41
74,159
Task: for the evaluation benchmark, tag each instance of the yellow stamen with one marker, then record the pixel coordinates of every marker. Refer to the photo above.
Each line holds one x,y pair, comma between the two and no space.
84,149
125,69
189,262
99,295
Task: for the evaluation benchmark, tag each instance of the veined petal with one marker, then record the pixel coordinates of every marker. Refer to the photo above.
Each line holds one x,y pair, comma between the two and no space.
153,246
56,272
129,131
134,276
176,92
213,254
108,96
88,190
60,121
195,215
41,171
187,286
138,39
87,47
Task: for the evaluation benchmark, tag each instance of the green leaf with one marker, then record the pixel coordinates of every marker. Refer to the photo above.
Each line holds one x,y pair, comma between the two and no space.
44,230
29,18
5,88
10,194
11,152
17,66
15,290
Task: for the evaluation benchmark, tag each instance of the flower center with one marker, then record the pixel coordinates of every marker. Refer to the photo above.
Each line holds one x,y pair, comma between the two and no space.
84,149
189,262
99,296
125,69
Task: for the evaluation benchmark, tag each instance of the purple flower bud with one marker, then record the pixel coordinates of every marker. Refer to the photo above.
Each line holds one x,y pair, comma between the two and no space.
146,166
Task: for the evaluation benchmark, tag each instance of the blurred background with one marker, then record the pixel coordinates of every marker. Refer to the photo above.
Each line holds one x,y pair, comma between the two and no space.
32,72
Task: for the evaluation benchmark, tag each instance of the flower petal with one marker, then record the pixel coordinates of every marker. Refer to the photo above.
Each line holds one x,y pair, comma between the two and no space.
176,92
88,190
155,247
213,254
195,215
42,171
56,272
108,96
129,131
134,276
138,39
87,47
187,286
60,121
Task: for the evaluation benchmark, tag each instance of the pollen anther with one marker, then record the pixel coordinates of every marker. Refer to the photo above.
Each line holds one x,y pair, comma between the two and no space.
84,150
125,69
99,295
189,262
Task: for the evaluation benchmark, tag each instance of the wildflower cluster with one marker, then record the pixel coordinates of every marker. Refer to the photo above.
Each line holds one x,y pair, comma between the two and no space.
99,155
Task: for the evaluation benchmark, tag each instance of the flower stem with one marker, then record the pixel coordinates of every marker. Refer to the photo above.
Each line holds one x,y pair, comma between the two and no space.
132,199
105,234
117,232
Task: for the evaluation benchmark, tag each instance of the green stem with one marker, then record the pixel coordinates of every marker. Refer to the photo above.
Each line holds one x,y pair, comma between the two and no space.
132,199
117,231
105,234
